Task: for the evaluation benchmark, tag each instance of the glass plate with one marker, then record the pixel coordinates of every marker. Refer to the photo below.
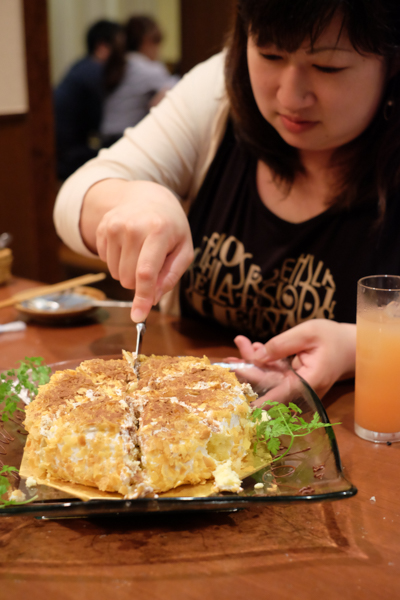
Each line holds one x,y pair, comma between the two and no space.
312,471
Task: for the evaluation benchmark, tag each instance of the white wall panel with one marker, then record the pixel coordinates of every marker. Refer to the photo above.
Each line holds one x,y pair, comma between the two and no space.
13,84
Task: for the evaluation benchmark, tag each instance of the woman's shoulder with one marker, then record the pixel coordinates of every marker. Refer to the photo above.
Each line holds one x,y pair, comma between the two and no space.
139,62
202,90
210,70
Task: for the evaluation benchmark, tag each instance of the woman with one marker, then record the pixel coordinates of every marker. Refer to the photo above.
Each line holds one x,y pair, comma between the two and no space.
144,81
285,149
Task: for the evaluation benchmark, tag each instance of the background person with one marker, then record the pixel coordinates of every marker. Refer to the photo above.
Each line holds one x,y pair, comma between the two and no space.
78,99
144,83
287,149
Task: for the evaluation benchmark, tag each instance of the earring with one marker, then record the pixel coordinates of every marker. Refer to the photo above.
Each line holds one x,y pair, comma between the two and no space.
388,109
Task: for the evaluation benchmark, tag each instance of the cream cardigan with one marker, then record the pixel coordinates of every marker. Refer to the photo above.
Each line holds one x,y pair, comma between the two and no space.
174,146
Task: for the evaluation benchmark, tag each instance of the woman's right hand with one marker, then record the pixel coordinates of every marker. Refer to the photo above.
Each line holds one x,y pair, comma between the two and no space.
141,231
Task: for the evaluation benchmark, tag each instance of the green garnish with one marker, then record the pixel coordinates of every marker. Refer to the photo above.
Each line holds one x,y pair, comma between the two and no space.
24,380
4,483
284,420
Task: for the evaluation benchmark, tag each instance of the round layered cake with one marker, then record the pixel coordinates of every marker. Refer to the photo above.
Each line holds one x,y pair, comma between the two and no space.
185,421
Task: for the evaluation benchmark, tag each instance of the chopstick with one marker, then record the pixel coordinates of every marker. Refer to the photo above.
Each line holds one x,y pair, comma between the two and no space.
52,289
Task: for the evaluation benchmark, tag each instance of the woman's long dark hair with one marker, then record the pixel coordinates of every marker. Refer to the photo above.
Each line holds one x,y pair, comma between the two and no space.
369,166
114,68
140,27
130,38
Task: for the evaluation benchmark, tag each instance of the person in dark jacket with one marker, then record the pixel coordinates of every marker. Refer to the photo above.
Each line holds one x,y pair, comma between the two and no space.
78,99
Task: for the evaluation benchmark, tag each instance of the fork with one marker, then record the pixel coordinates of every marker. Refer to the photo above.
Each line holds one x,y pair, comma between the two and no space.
140,330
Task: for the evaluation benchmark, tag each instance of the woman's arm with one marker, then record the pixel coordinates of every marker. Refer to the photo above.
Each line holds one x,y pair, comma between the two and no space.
324,351
125,204
169,147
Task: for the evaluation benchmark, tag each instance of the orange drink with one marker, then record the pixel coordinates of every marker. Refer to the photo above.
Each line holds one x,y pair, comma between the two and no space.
377,397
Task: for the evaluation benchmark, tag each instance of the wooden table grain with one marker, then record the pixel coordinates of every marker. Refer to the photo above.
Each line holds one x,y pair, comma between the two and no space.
343,549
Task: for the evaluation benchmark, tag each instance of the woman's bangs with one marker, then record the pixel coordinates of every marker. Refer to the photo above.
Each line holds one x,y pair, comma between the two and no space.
288,23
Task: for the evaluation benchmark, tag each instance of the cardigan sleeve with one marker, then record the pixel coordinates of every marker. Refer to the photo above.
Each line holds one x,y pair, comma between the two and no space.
169,147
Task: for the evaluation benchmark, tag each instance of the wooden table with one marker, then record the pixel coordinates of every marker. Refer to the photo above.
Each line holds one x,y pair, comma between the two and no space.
344,549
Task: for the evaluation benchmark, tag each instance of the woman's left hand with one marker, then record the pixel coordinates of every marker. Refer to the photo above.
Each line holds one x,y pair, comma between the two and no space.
323,350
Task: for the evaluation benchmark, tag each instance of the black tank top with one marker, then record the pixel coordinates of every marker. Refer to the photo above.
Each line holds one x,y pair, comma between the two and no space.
260,275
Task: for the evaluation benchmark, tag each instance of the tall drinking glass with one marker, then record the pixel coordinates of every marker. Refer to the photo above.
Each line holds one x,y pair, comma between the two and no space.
377,397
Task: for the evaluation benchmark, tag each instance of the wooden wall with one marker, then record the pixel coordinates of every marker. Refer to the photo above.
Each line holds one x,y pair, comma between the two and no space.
27,163
205,24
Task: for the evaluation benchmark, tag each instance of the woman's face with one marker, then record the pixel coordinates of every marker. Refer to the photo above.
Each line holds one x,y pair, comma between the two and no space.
317,99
